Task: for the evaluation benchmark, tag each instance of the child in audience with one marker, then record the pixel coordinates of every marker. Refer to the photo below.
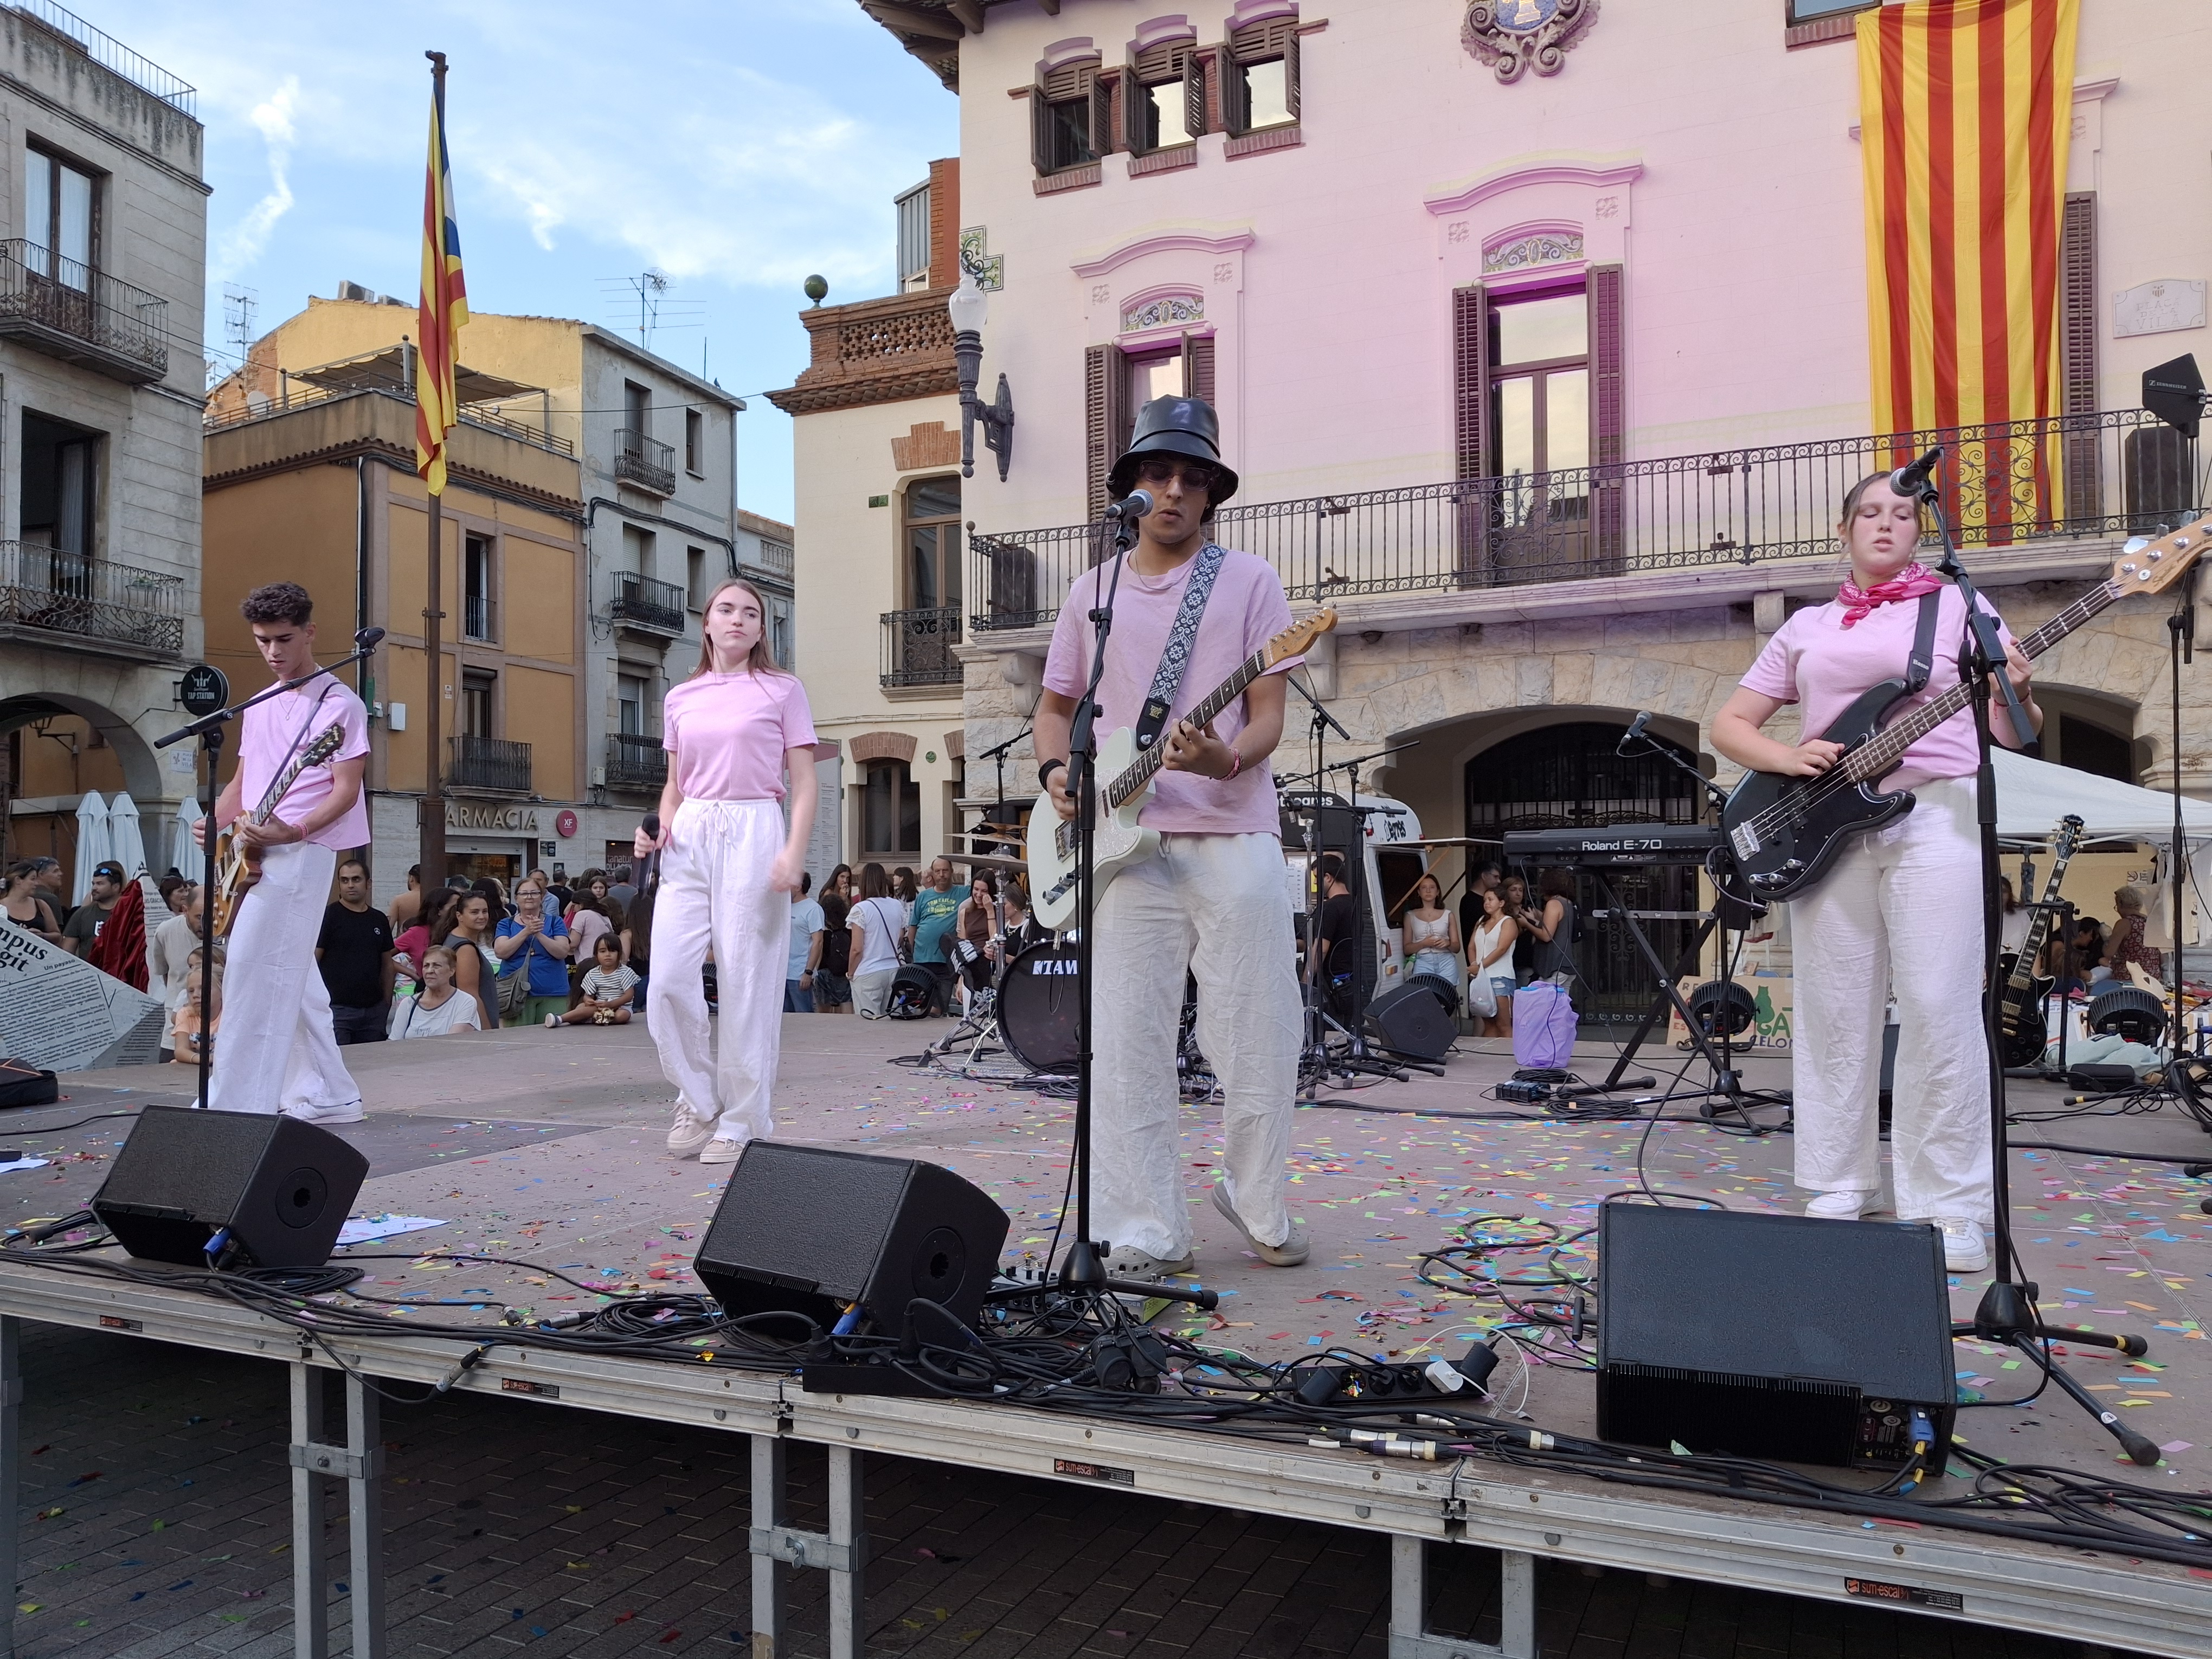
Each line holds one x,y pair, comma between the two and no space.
607,987
184,1025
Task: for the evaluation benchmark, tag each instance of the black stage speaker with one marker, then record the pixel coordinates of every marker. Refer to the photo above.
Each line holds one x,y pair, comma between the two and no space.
1772,1336
1410,1021
810,1230
279,1188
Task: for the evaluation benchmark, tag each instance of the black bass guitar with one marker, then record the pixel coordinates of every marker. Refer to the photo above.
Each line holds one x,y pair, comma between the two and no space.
1786,832
2020,1033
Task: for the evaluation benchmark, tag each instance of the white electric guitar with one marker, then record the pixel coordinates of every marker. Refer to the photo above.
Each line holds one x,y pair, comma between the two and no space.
1120,840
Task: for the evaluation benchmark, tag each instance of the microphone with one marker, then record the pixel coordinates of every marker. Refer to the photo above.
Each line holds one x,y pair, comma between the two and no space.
369,639
1132,507
1635,733
1912,481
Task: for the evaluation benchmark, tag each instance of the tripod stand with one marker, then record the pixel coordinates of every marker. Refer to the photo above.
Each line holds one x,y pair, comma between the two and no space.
2008,1312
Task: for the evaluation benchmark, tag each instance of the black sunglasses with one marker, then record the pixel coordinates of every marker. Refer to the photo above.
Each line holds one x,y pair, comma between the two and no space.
1197,475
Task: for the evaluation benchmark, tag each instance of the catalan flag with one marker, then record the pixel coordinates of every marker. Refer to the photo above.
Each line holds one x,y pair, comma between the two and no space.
1965,107
444,308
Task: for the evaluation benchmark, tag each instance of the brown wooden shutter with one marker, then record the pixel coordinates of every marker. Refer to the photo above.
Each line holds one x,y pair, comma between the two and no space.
1104,391
1470,436
1193,90
1291,73
1198,367
1608,348
2077,325
1040,131
1102,115
1235,101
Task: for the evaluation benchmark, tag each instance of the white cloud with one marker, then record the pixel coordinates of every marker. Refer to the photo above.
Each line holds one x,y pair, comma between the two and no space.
245,242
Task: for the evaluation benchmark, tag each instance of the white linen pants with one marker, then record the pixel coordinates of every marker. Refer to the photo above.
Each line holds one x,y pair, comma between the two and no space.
1214,906
713,890
274,1048
1902,908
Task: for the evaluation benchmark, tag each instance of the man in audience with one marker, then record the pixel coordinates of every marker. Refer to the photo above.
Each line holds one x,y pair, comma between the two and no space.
84,924
354,952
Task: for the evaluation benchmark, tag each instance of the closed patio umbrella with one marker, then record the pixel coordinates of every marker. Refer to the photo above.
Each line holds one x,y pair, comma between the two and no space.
92,847
126,844
185,853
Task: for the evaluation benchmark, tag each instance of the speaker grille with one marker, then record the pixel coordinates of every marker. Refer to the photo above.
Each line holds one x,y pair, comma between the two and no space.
806,1217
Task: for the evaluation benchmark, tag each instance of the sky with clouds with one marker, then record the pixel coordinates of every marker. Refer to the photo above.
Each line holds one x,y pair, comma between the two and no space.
736,147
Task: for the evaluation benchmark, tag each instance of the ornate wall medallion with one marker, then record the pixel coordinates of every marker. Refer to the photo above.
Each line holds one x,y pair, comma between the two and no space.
1513,35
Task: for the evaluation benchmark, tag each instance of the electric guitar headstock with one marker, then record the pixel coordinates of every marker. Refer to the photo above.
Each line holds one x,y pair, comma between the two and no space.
2157,565
1297,639
2065,838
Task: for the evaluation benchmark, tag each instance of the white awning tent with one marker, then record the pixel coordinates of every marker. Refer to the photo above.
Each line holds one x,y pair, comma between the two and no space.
2032,795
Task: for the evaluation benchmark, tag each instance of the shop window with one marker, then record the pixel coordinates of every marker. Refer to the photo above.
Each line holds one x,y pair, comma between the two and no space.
890,811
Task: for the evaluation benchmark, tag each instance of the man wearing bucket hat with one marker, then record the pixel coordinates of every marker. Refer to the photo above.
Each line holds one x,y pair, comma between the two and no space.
1210,903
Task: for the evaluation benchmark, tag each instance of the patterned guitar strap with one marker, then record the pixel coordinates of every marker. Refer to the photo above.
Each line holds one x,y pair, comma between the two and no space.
1175,661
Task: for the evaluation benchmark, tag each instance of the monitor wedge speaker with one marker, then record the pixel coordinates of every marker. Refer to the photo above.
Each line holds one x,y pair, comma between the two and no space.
278,1188
1409,1020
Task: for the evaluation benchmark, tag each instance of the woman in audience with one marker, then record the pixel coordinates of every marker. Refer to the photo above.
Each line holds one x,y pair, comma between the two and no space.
876,924
1430,934
25,906
440,1008
1490,955
829,962
464,928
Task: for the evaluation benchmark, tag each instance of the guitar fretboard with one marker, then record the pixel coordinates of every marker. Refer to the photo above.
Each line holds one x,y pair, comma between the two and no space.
2038,929
1139,771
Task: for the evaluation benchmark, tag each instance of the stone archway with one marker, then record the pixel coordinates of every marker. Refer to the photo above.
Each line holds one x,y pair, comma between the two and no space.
141,767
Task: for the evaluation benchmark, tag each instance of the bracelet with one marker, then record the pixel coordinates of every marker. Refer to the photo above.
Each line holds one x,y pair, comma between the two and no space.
1236,762
1045,770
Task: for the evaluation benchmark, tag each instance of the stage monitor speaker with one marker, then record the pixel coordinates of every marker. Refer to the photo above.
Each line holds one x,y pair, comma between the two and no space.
1410,1021
810,1230
1772,1336
279,1188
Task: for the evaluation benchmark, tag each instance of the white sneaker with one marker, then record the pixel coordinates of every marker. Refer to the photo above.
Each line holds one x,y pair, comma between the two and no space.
1843,1206
687,1131
1127,1263
1964,1250
722,1150
349,1113
552,1022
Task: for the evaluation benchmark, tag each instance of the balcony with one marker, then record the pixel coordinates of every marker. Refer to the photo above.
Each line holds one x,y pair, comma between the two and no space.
2022,487
112,55
479,619
491,764
775,558
874,351
645,462
917,648
51,597
648,606
636,761
81,315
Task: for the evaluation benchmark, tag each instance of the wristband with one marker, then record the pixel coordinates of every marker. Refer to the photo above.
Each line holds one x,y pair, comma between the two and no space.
1045,769
1236,762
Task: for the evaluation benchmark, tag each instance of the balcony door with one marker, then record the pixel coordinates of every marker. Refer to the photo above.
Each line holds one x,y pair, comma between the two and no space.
60,220
1540,429
60,505
926,625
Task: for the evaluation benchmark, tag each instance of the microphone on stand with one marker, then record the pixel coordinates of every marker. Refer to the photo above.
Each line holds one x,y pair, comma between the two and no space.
369,639
1132,507
1912,481
1635,733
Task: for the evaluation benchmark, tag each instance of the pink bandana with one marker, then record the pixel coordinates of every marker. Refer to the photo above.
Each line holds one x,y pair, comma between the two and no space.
1908,584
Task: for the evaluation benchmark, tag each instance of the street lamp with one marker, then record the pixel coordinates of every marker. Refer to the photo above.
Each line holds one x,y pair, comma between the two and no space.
969,307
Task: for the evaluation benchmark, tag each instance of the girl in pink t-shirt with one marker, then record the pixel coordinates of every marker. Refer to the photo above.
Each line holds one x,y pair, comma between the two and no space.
1900,914
728,868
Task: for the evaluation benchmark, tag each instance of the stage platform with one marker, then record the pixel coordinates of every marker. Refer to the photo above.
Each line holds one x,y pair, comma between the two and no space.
546,1147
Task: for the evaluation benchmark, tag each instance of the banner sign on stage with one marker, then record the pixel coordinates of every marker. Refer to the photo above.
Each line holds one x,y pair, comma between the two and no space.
64,1015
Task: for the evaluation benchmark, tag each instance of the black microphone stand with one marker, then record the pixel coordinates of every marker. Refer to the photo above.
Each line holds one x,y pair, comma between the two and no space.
2008,1312
209,730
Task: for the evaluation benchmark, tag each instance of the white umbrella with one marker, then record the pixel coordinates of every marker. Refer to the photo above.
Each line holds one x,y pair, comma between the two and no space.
126,844
185,854
91,843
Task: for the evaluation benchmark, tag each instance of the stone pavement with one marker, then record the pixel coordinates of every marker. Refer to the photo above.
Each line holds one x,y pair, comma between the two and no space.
156,1522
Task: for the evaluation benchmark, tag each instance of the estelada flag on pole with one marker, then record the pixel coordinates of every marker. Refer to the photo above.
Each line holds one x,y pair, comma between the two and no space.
444,308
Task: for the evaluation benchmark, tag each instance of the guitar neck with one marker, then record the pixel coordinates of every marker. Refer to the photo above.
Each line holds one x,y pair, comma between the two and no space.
2039,931
1139,771
1881,753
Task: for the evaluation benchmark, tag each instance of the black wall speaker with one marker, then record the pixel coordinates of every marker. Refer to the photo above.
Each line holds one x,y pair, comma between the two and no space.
1772,1336
280,1188
1410,1021
809,1230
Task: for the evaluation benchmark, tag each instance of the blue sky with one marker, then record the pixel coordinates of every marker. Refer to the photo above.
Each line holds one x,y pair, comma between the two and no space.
737,148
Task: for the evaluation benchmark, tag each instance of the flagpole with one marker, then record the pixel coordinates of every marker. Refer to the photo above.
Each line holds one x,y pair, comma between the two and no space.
432,851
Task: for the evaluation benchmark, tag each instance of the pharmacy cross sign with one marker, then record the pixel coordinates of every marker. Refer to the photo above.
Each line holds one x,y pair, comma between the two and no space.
1514,35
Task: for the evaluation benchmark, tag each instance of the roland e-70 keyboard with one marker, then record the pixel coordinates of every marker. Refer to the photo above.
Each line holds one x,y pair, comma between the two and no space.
1613,844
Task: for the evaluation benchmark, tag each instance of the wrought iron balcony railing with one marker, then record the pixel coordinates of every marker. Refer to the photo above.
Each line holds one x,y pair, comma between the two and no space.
75,594
479,618
112,54
641,602
488,763
81,315
918,647
636,761
645,462
2111,472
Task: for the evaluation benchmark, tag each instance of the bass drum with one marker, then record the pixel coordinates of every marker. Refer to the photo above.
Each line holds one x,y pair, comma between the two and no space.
1037,1006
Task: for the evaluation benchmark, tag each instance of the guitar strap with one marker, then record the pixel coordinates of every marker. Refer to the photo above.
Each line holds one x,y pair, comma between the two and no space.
1175,661
1923,645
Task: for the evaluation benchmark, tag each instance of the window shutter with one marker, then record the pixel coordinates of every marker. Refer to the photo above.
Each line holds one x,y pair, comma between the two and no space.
1102,397
1235,96
1102,117
1470,405
2077,325
1193,90
1608,413
1291,72
1198,367
1039,129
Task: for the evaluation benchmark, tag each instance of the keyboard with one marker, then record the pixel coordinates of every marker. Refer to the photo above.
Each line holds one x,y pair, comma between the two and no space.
1613,844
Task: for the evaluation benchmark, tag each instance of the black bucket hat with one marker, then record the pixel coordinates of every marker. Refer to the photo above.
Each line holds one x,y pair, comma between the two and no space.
1175,426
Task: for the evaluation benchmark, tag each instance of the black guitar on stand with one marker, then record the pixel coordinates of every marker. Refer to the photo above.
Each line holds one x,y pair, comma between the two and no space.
2020,1007
1786,831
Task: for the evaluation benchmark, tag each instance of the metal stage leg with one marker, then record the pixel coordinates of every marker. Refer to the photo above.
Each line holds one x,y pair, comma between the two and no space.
359,1464
842,1552
11,1468
1409,1602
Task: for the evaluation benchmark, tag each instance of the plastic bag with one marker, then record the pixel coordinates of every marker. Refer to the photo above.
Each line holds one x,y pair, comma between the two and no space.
1481,996
1543,1027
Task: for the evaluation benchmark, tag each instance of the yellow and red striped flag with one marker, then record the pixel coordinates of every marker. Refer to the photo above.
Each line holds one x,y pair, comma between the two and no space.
1965,108
443,309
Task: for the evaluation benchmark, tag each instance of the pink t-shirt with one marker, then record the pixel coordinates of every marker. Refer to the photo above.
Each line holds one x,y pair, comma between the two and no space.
728,732
266,744
1244,611
1814,660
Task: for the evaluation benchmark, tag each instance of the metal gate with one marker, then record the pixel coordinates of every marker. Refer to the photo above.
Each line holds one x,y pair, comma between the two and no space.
1567,776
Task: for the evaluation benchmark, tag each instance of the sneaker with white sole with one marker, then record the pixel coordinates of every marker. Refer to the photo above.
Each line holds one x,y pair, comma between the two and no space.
1290,1253
1127,1263
348,1113
1965,1250
721,1149
687,1131
553,1021
1843,1206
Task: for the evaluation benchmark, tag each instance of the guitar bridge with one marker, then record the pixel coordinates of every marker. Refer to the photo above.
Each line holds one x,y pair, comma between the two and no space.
1746,839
